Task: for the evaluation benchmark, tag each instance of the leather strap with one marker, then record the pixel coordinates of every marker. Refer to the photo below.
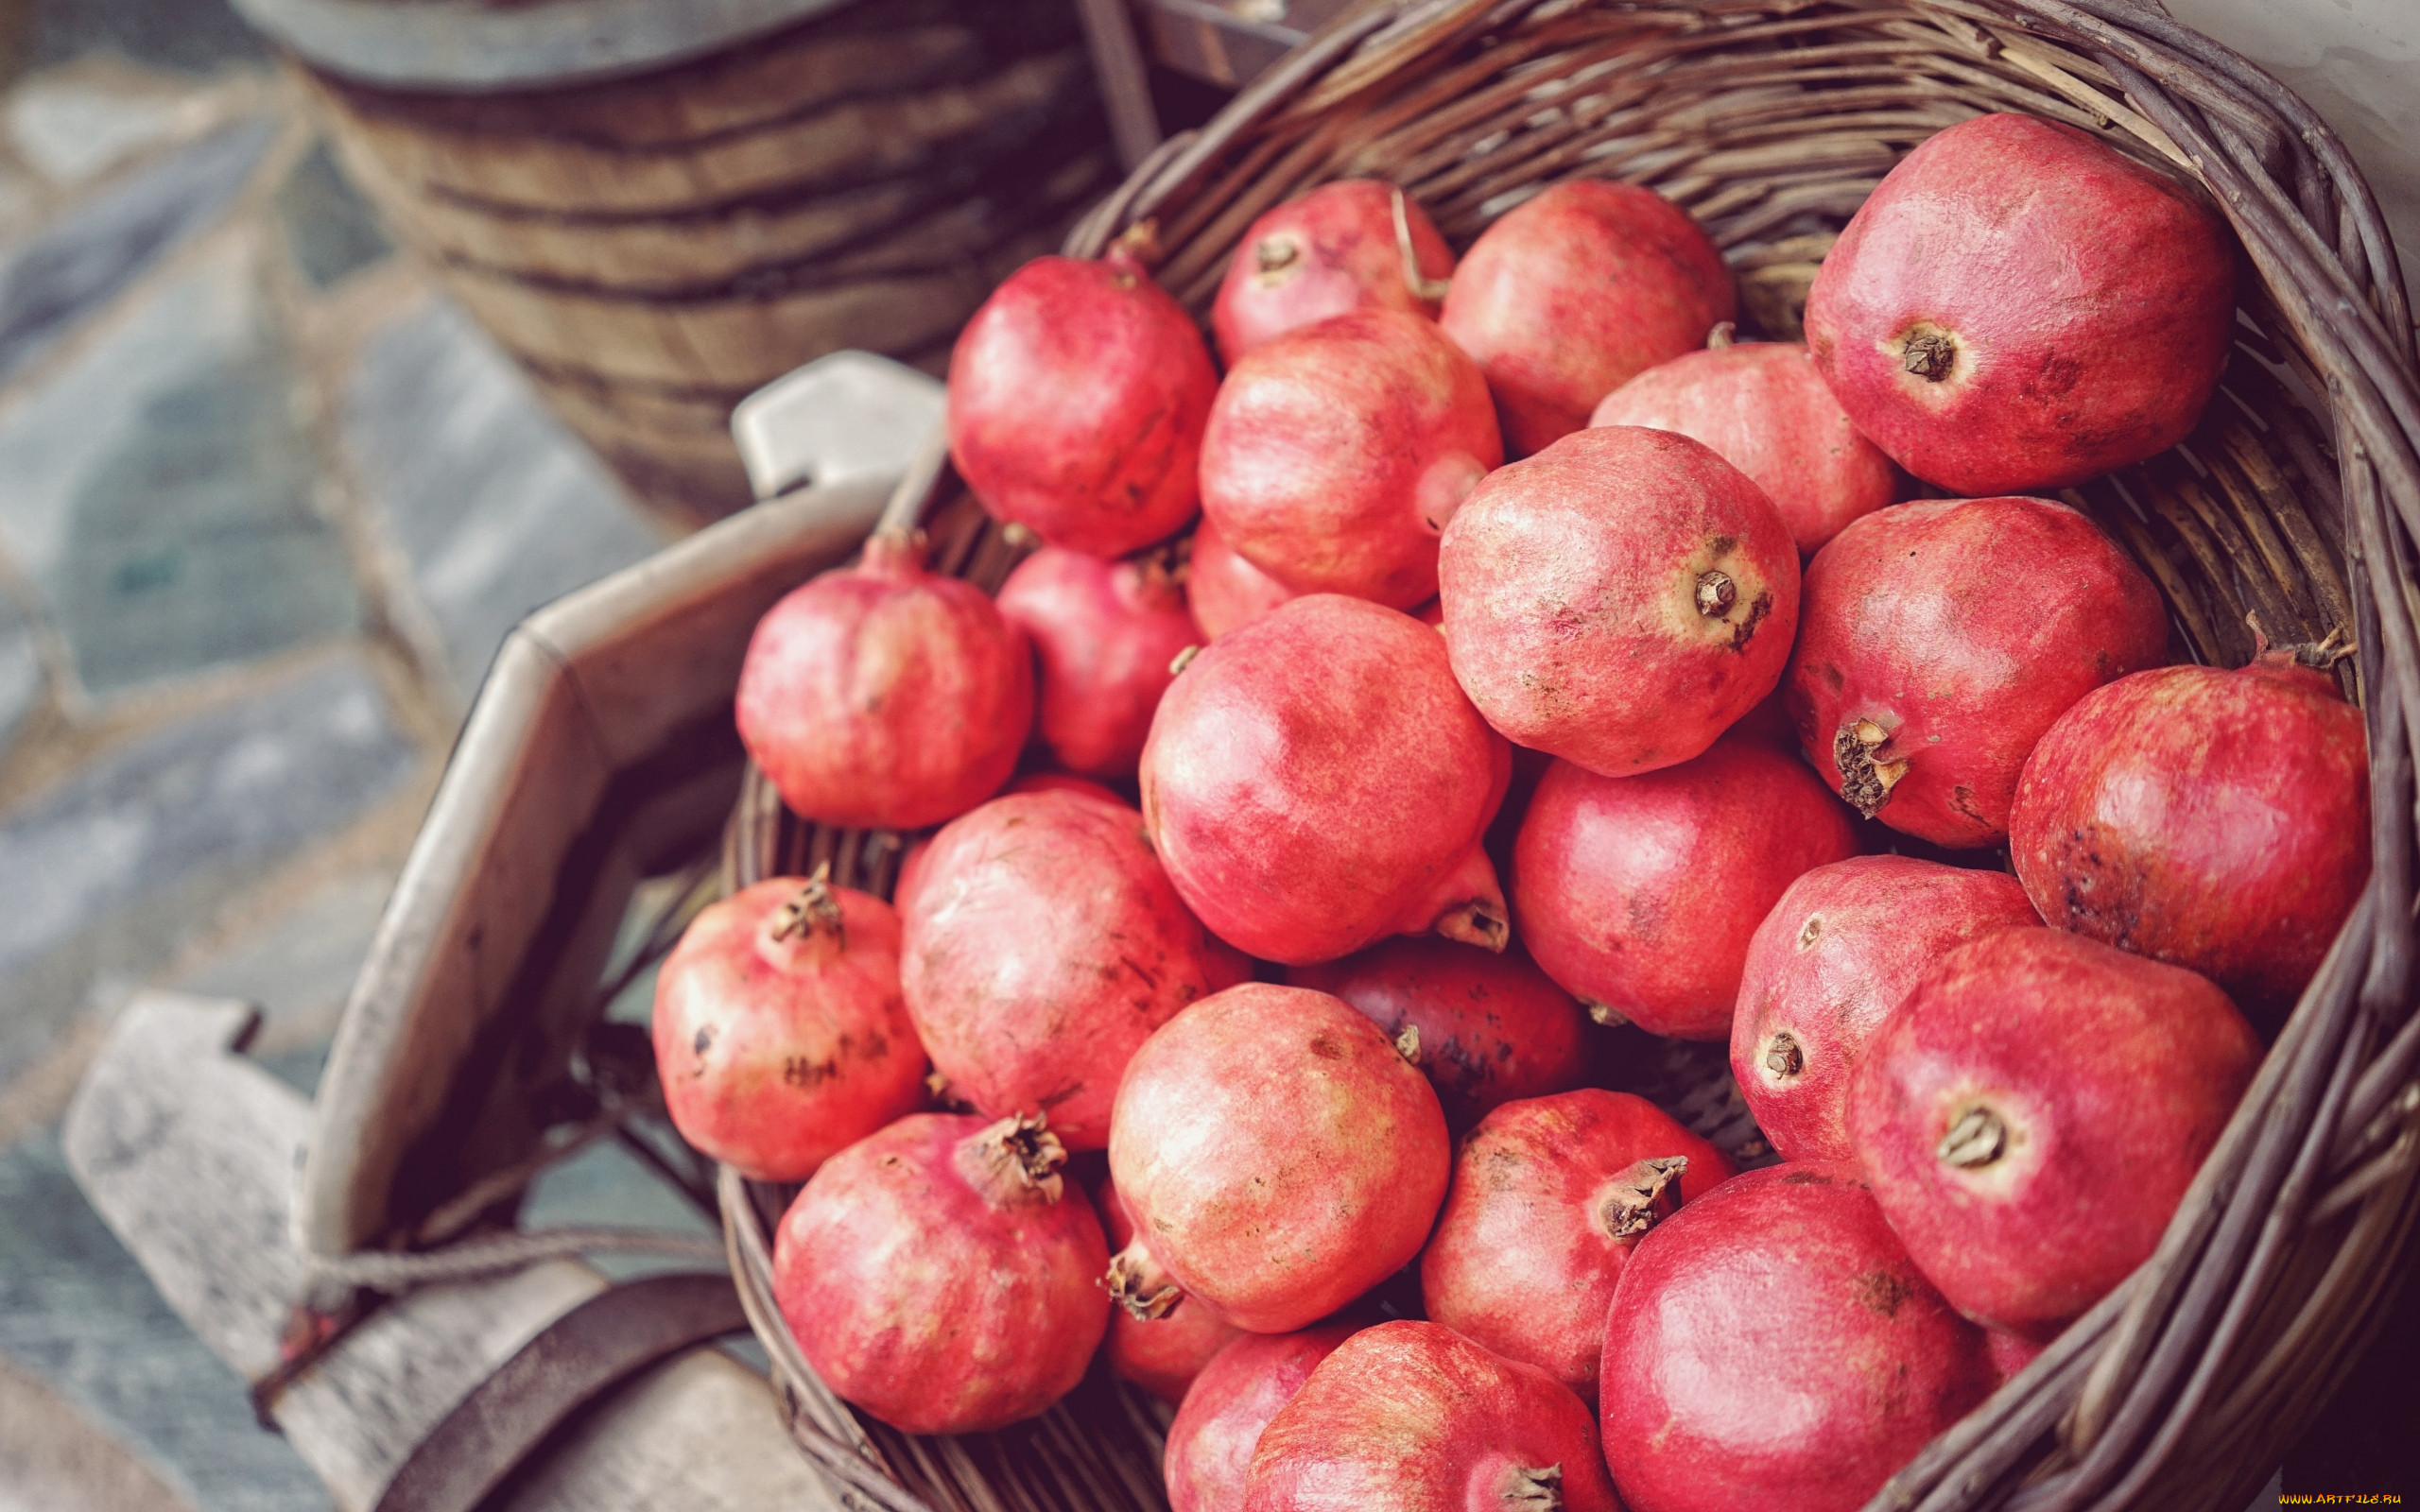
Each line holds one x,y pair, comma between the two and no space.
573,1360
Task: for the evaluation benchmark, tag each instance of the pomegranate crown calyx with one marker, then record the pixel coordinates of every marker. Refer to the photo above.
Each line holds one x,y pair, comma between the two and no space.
1025,1155
812,910
1644,1196
1138,1286
1535,1490
2320,655
1865,782
1979,1138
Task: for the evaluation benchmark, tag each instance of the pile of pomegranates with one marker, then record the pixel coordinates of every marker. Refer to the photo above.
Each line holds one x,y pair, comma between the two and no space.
1543,655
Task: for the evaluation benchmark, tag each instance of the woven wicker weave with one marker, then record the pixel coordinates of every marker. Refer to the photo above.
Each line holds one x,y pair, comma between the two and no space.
2296,502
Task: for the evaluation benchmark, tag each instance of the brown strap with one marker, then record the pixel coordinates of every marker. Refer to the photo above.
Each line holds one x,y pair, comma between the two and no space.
571,1363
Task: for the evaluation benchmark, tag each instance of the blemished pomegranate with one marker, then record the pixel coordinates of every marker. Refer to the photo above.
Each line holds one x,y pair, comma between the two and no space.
1157,1338
1077,398
1223,590
2216,820
1277,1154
1315,781
1639,894
2032,1113
1549,1197
1938,640
1335,249
1837,953
1485,1029
939,1275
1571,295
1041,947
1336,454
1765,410
779,1036
1104,634
883,697
1219,1423
2018,306
1618,599
1413,1418
1772,1345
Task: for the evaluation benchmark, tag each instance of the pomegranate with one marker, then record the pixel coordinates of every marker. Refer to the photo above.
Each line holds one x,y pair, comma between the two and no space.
1618,599
1040,946
1765,409
1057,783
1335,249
2011,1353
2216,820
1105,634
1827,967
1549,1197
1315,781
1569,296
1277,1155
1484,1029
1158,1340
2032,1113
1210,1444
1639,894
1414,1417
1772,1345
1224,590
938,1274
883,697
779,1034
1336,454
1940,639
1077,398
2019,307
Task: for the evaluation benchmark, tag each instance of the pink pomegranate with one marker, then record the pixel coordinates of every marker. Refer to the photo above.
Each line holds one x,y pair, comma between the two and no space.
1278,1157
2216,820
883,697
1210,1444
939,1275
1157,1338
1827,967
1939,640
1639,894
1337,249
2020,307
1571,295
1337,453
1772,1345
2032,1113
1105,634
1549,1197
1077,398
1765,410
2011,1353
1224,590
1484,1029
1315,781
780,1038
1413,1418
1618,599
1064,783
1041,947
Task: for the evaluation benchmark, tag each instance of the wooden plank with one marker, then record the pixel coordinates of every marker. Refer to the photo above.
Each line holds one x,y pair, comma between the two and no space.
1125,86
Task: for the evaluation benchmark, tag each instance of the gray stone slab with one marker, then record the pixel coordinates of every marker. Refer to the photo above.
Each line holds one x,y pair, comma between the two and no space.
330,229
194,36
21,675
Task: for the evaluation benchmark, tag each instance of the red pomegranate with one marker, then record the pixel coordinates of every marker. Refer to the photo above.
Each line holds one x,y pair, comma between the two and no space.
1827,967
1224,590
1315,781
780,1038
1210,1444
1939,640
939,1275
1639,894
883,697
1337,453
1413,1418
2032,1113
2216,820
1765,409
1104,633
1568,297
2020,307
1278,1157
1077,398
1618,599
1158,1338
2011,1353
1337,249
1057,783
1484,1029
1549,1197
1040,947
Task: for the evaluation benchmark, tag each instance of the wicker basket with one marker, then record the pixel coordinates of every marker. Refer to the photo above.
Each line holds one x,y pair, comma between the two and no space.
2297,503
